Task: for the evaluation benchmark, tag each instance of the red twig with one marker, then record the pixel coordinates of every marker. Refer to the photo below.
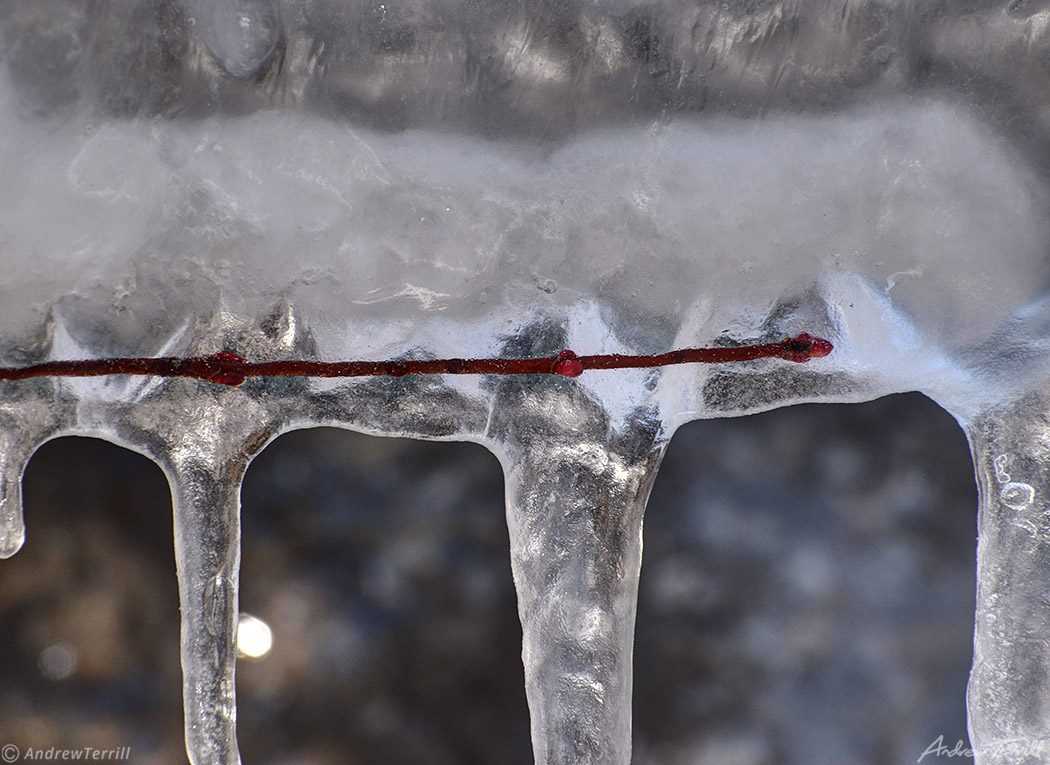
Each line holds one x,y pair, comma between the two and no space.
227,368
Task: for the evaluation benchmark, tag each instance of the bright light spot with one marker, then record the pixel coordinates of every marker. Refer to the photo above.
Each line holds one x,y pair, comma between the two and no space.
254,637
58,661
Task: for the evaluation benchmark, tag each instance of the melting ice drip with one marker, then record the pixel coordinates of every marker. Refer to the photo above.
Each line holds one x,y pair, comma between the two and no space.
310,180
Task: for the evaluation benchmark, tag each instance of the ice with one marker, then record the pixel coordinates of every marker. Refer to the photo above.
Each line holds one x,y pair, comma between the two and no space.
1009,677
438,180
240,34
575,562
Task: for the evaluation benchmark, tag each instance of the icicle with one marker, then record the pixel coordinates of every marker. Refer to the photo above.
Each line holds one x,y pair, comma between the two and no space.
206,503
29,416
575,499
13,458
1009,689
204,438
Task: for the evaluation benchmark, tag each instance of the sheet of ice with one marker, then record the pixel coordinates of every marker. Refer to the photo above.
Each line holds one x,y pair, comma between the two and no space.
159,196
385,242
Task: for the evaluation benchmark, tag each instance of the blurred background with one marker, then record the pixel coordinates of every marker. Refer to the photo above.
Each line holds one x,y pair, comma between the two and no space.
807,596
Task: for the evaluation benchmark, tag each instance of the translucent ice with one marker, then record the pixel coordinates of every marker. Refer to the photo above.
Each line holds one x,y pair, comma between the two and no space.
357,181
240,34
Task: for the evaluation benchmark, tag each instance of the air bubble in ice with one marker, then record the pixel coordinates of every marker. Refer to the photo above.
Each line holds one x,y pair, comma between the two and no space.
241,34
1017,495
1000,469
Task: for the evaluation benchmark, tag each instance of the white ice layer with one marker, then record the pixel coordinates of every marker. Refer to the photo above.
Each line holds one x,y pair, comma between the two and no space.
911,235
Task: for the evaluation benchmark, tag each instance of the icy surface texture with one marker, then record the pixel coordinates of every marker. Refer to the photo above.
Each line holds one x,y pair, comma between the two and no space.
1013,615
364,181
575,561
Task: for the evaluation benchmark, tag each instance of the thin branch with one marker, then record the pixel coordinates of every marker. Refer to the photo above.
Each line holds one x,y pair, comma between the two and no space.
227,368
